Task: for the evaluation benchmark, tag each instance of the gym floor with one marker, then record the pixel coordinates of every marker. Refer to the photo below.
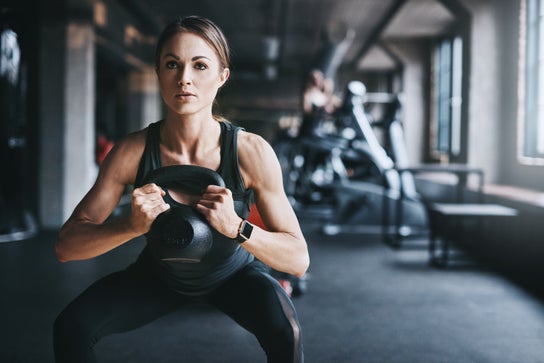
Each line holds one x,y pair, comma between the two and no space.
365,303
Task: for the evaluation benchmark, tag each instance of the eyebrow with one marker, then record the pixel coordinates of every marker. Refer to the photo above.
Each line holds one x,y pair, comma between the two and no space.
195,58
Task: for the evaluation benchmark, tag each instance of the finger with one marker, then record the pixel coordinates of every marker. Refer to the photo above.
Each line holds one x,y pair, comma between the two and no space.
221,197
162,208
151,211
218,194
154,188
155,203
201,208
205,203
216,189
157,194
209,197
147,199
150,188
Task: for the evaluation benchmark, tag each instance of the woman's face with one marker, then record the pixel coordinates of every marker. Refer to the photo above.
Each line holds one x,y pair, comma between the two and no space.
189,74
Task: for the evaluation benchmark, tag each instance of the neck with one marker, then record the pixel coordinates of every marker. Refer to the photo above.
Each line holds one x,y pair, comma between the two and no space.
190,140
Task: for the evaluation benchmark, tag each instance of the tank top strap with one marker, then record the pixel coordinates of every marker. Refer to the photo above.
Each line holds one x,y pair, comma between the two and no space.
229,167
151,158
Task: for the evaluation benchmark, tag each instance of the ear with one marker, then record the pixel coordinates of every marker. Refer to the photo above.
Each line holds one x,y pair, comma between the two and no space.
224,76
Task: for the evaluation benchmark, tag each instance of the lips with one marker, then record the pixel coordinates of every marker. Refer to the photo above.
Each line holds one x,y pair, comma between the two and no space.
185,94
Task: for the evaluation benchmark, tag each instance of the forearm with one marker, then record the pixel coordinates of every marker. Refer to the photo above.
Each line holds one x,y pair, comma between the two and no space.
81,240
282,251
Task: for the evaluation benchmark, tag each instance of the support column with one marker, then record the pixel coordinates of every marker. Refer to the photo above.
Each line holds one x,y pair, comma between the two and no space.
79,108
67,167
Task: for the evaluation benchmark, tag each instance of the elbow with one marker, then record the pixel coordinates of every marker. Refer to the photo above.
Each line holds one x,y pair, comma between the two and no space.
60,248
303,263
60,253
302,267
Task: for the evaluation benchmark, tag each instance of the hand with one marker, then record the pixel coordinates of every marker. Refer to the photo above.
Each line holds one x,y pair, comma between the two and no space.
147,204
217,206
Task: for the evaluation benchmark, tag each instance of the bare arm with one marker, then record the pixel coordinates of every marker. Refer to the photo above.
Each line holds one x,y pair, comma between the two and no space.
282,246
86,234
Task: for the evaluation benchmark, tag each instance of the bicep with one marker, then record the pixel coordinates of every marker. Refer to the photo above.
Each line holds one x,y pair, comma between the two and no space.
276,212
262,171
98,203
117,171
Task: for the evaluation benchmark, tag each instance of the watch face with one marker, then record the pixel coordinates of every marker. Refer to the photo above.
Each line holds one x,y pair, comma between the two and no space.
245,232
248,228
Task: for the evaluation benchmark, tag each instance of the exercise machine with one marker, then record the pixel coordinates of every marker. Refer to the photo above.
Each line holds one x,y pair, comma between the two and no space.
361,204
344,166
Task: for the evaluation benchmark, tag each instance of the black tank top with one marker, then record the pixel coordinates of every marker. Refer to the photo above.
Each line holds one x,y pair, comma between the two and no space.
225,256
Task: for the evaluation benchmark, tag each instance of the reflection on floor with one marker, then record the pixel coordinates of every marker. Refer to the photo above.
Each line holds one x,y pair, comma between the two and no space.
365,303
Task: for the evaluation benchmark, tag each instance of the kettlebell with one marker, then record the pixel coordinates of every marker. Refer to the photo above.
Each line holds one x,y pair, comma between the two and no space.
181,234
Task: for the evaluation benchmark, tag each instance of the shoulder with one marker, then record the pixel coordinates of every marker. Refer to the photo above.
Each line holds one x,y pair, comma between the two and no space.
256,158
134,140
252,145
123,160
130,146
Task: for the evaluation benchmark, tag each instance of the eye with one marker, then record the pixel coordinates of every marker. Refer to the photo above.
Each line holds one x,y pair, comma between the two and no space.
171,65
201,66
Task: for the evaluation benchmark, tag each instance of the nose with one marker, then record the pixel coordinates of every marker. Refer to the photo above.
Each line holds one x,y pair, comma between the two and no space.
184,76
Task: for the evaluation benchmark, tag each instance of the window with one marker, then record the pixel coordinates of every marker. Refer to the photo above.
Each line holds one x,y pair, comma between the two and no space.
447,98
532,86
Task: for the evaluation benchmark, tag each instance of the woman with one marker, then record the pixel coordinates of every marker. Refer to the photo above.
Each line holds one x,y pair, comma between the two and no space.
192,63
318,103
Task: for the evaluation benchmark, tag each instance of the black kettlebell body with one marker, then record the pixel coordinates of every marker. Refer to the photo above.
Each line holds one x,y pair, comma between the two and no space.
181,234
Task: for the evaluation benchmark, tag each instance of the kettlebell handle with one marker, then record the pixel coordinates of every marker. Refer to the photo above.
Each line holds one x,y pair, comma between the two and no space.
189,178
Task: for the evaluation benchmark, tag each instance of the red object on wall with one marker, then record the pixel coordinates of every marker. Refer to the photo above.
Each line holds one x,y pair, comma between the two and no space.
103,147
254,217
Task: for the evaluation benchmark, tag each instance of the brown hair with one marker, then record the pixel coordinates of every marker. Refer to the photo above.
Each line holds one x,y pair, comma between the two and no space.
200,26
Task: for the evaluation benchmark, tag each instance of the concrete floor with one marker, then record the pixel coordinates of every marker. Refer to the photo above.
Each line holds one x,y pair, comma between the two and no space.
365,303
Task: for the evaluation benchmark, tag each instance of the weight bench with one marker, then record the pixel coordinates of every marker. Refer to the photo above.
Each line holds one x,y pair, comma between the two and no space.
448,222
395,226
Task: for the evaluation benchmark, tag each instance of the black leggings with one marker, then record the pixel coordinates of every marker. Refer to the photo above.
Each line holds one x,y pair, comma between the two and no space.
251,297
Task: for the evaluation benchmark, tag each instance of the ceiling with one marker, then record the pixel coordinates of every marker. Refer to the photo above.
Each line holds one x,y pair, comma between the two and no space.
281,37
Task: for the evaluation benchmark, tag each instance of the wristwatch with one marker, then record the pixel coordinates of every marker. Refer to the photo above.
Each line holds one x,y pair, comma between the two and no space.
244,231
